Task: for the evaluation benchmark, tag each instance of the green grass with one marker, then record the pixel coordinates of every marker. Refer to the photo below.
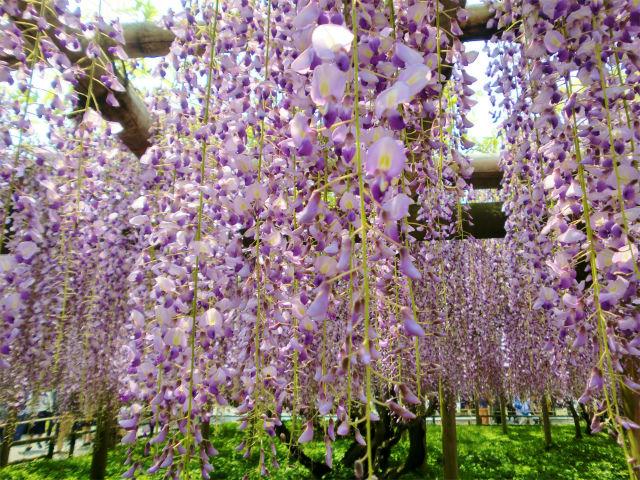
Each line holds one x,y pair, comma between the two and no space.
483,453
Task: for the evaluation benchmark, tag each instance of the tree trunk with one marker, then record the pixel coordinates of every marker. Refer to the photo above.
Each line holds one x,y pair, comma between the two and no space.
386,434
631,405
101,443
478,417
316,468
384,451
384,439
449,436
585,416
576,418
417,455
503,413
114,435
7,438
546,423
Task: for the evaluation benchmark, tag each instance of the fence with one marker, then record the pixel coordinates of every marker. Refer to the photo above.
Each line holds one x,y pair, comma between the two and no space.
51,436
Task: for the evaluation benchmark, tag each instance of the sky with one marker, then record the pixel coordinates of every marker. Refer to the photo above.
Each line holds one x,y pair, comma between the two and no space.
480,116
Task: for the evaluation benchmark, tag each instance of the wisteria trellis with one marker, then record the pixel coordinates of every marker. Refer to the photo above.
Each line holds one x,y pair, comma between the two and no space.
260,254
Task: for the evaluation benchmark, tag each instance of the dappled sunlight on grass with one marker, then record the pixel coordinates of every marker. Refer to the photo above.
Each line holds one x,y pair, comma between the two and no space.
483,453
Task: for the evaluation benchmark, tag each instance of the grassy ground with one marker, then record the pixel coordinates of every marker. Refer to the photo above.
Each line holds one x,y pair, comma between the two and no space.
483,453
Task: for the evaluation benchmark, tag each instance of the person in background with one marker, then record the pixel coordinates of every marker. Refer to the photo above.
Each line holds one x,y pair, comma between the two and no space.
38,428
484,410
21,427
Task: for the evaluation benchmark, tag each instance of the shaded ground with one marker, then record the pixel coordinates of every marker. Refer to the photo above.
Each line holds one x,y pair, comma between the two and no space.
484,453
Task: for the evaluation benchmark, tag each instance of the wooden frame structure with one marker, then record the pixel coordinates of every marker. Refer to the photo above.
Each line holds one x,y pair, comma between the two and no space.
146,40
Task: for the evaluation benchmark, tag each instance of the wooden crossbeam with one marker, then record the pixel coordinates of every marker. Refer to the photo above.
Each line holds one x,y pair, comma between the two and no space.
487,221
29,441
475,28
486,171
132,113
145,39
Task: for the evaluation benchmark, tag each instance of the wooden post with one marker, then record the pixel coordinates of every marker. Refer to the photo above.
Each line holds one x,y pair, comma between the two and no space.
205,427
503,413
7,439
449,435
478,417
631,405
546,423
52,442
101,442
72,442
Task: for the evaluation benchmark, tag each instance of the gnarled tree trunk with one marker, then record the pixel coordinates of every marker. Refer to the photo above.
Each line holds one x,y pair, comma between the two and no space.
576,418
316,468
417,456
585,416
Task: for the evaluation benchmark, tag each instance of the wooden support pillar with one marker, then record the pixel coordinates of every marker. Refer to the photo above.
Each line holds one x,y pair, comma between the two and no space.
72,442
546,423
52,442
104,419
7,438
478,417
503,413
205,426
449,435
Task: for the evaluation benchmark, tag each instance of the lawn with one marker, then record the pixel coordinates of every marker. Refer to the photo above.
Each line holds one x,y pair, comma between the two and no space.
483,453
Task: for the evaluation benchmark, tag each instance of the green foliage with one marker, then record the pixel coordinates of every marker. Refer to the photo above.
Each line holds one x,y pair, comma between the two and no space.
486,453
487,144
142,9
483,453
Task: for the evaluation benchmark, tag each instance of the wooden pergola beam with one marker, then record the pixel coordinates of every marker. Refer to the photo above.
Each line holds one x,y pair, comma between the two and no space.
132,113
486,171
475,28
487,221
146,40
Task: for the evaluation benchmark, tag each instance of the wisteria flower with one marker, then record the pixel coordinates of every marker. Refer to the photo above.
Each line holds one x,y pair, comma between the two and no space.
328,84
386,156
328,40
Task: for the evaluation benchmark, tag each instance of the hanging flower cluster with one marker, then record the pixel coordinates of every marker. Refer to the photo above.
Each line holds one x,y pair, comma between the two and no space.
67,245
570,147
277,257
292,244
